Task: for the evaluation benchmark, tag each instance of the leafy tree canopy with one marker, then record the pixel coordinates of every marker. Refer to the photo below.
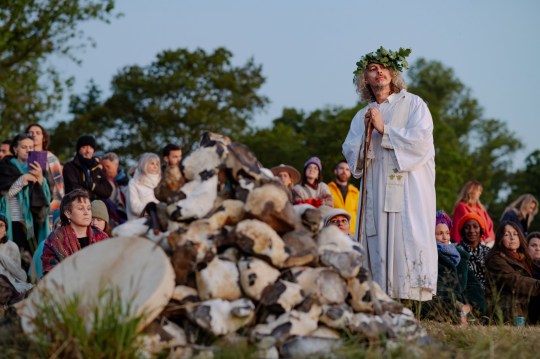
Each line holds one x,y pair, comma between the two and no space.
174,99
30,32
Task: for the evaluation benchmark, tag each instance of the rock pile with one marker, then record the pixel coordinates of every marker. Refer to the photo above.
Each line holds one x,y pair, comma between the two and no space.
250,264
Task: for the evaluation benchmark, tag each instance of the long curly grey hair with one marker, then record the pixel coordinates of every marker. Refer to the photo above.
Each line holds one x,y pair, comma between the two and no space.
364,90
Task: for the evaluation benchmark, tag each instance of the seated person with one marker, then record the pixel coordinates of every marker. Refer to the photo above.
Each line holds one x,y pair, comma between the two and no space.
509,269
340,218
311,188
458,290
471,228
533,242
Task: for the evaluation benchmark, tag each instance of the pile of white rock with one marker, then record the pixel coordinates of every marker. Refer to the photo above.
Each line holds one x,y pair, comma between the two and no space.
252,267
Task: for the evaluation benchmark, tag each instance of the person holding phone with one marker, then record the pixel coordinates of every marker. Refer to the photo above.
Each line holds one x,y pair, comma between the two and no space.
52,166
25,197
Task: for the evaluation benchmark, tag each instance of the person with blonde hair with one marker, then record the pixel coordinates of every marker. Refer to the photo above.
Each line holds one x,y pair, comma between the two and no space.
521,212
399,219
469,202
141,186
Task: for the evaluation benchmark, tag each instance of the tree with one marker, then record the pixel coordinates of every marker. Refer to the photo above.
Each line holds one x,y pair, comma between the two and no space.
30,32
174,99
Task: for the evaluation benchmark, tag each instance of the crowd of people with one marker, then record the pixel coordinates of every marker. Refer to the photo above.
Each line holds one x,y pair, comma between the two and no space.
49,210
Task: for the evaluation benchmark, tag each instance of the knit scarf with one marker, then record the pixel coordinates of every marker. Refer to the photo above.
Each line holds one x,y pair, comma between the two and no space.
146,179
450,251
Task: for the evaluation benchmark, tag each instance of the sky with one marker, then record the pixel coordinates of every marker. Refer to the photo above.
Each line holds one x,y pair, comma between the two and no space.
308,48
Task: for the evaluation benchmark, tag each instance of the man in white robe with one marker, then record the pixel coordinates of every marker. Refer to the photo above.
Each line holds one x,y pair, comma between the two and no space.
399,220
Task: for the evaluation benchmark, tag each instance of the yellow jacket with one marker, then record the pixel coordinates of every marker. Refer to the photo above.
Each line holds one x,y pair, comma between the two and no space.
350,204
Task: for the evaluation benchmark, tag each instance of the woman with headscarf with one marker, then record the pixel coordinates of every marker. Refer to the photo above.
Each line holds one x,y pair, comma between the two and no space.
141,186
471,228
311,189
26,197
510,272
469,202
458,290
75,232
521,212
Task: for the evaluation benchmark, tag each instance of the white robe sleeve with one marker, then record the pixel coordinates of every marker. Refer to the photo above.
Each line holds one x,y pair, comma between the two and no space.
413,144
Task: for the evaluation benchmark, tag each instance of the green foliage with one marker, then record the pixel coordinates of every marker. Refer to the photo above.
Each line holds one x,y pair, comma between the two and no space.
174,99
62,329
393,59
295,137
30,32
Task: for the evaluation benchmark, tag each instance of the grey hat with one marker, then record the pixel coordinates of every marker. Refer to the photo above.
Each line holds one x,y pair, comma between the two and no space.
331,213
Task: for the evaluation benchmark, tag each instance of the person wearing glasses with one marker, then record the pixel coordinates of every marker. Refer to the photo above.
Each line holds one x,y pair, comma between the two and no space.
340,218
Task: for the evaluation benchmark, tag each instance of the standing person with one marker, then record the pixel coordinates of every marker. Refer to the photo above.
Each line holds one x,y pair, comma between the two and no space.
510,272
288,176
469,202
141,186
521,212
172,154
75,232
5,149
54,167
399,219
26,196
85,171
311,188
345,195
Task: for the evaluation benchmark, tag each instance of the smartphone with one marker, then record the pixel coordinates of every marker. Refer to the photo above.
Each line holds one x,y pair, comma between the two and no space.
39,157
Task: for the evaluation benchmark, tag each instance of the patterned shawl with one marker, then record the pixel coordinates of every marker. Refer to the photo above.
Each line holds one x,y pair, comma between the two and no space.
63,242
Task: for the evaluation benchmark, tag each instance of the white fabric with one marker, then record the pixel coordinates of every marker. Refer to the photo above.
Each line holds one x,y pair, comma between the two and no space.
401,252
10,266
140,193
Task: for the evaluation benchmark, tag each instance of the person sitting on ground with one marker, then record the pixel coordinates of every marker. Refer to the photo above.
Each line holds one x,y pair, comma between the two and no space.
54,167
521,212
533,242
287,175
75,232
469,202
100,216
116,203
10,266
5,149
141,186
510,273
458,290
26,197
312,189
340,218
86,172
471,228
172,155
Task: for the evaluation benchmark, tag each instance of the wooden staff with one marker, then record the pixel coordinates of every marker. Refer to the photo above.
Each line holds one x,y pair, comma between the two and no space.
367,140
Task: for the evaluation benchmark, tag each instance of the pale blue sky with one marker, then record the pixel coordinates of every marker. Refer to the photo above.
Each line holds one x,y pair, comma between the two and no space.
308,48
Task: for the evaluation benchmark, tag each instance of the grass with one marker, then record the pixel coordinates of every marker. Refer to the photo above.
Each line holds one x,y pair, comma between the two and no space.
63,334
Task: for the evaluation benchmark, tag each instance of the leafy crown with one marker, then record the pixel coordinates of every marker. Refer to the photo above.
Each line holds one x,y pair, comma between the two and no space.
388,58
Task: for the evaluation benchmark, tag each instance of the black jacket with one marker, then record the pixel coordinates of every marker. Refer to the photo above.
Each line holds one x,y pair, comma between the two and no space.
75,177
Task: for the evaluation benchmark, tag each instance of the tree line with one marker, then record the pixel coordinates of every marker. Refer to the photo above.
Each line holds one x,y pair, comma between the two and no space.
183,93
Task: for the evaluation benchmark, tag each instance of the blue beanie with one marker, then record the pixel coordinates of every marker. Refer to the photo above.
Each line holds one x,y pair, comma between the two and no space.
316,161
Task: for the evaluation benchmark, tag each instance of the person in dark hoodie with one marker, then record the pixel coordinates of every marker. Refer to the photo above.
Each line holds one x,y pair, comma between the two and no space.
85,171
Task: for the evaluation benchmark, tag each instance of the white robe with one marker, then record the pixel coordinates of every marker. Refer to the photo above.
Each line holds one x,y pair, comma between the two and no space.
399,221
